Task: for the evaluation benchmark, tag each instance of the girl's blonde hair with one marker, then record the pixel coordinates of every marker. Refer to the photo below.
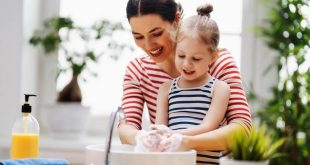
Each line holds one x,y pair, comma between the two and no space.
201,26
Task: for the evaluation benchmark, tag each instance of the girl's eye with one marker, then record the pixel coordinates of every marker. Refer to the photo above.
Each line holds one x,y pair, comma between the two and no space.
181,56
196,59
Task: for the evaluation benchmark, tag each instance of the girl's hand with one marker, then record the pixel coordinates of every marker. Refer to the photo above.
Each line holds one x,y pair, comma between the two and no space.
159,139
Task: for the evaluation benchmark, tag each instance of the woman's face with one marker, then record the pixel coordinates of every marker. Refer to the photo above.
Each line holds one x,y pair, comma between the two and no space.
153,35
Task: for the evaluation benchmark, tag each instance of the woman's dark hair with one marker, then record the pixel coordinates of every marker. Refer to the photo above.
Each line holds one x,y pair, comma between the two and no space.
167,9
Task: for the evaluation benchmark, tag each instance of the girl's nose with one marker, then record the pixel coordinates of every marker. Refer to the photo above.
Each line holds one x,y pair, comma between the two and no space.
187,64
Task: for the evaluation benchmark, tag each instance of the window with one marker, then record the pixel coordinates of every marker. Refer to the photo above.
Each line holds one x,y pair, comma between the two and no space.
104,92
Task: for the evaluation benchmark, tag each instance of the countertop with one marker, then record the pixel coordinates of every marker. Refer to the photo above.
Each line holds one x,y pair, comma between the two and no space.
70,149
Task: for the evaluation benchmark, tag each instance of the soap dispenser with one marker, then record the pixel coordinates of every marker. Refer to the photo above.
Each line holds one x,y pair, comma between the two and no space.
25,134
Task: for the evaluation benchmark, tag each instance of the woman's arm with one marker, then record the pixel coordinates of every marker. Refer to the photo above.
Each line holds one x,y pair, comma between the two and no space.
215,113
213,140
132,103
127,133
224,68
162,104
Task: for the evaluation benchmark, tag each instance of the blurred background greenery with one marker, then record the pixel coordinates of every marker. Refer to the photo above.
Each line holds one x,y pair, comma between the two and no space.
287,31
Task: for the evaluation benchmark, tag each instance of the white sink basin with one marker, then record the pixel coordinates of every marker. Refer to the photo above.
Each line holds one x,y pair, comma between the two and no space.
124,155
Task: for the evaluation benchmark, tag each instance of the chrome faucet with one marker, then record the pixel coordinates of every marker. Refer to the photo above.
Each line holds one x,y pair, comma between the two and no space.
113,115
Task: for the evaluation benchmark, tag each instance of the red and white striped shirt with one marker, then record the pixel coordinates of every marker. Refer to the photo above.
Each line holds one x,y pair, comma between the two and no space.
143,78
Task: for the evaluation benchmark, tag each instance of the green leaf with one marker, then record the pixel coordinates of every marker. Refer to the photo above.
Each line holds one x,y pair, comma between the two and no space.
91,56
256,146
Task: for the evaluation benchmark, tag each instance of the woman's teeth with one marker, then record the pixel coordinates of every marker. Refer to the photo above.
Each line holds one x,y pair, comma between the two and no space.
157,51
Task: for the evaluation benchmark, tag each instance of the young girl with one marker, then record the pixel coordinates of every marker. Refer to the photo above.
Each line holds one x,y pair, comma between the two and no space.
195,102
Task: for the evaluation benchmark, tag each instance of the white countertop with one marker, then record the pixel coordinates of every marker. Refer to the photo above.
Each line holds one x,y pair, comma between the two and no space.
71,149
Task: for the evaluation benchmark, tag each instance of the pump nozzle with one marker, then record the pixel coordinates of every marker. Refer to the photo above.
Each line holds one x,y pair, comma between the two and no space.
26,108
27,97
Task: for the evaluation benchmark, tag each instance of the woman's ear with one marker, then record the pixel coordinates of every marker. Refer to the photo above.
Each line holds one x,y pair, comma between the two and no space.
178,17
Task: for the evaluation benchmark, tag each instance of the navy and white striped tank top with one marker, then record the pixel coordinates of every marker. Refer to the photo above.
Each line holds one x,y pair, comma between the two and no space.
187,108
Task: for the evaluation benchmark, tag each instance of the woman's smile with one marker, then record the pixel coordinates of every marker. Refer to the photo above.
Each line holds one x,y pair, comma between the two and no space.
156,52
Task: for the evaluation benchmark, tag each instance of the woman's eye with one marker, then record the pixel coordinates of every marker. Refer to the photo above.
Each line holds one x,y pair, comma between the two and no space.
157,34
139,37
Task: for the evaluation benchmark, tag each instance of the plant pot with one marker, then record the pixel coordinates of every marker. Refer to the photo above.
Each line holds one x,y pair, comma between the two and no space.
67,120
229,161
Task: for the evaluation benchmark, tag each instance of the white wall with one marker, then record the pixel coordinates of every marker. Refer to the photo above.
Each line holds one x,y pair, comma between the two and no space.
23,69
10,63
47,66
256,57
30,56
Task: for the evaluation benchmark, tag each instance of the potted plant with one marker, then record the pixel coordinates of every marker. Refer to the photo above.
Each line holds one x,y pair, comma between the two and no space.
253,148
78,50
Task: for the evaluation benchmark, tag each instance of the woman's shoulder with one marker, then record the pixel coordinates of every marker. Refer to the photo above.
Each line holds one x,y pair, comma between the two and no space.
224,61
142,60
140,63
224,56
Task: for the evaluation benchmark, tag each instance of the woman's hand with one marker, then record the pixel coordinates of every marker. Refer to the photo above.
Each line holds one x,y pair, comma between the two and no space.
127,133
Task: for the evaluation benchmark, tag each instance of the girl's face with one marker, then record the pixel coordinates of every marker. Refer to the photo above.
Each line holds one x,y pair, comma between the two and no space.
153,35
192,59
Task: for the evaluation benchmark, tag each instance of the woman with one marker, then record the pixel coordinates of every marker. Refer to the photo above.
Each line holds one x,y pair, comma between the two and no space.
153,25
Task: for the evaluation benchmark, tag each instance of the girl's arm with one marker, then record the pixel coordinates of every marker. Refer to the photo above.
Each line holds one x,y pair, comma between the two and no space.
215,113
162,104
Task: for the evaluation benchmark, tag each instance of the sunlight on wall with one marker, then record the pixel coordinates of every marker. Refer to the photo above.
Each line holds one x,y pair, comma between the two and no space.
104,92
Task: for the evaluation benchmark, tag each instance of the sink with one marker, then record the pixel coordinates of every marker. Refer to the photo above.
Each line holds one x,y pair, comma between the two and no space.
124,155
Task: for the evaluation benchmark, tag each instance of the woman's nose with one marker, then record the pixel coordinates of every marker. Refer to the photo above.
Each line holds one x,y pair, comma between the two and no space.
148,44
